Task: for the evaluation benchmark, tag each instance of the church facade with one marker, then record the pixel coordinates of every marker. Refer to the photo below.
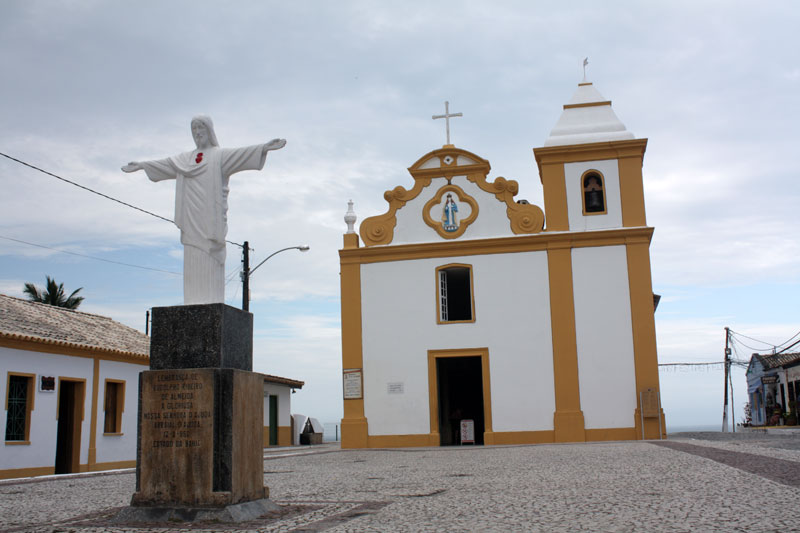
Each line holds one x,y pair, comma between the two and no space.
470,316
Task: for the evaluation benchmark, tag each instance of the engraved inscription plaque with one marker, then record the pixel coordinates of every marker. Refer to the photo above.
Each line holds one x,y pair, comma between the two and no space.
177,434
650,403
352,384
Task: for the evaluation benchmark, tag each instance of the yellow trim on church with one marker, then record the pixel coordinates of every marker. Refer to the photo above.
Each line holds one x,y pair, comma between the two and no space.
523,218
354,423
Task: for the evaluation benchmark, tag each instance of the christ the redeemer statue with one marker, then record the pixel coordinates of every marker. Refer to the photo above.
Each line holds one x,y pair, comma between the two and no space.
201,204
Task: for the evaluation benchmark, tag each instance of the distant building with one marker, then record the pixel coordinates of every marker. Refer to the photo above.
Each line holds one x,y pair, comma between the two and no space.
69,381
466,317
278,421
772,379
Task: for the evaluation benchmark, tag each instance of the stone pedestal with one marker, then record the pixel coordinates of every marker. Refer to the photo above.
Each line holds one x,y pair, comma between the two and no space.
199,453
201,336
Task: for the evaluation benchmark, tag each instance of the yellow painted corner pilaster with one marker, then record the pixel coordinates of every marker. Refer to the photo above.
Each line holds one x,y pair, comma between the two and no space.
644,331
631,190
568,423
351,240
568,426
651,426
354,423
92,459
554,188
354,432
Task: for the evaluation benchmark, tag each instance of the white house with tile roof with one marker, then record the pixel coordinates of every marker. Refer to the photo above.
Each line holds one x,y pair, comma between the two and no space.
69,383
278,420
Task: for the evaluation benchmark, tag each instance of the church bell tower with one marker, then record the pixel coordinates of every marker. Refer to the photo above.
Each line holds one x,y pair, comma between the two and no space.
591,172
591,168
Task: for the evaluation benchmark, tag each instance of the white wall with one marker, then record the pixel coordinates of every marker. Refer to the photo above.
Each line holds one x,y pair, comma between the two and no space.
284,394
42,450
604,336
577,220
118,447
512,319
492,220
43,428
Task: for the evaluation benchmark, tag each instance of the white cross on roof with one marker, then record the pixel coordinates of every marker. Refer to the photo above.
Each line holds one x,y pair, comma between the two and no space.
446,118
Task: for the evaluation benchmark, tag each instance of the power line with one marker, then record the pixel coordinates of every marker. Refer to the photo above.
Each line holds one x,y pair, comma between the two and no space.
126,204
88,256
790,340
692,364
790,346
85,188
774,346
752,339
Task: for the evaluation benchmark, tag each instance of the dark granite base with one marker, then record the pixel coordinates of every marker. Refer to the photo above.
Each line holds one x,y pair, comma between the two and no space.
201,336
240,512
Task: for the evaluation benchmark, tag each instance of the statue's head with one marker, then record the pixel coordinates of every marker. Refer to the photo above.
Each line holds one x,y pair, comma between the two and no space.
203,132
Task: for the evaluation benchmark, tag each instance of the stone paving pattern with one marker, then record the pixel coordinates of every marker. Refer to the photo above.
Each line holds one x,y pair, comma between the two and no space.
620,486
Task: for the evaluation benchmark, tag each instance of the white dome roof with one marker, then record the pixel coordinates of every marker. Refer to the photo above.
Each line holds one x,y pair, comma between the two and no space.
587,118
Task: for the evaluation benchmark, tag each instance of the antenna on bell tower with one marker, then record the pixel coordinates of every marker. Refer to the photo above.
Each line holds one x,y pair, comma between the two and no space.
585,62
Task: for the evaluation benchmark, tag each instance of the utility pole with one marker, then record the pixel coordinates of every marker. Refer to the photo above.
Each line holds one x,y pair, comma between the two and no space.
733,404
727,369
246,276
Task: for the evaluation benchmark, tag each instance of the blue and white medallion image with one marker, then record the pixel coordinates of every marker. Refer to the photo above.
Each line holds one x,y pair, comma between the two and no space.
450,214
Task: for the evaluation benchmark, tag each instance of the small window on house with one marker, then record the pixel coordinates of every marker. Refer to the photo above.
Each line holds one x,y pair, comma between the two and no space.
455,293
594,198
115,399
19,404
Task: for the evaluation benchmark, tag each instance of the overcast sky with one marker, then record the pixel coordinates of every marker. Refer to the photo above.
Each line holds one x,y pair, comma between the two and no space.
88,86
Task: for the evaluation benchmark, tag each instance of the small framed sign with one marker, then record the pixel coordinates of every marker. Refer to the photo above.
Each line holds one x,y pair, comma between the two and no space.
395,387
47,383
467,433
352,384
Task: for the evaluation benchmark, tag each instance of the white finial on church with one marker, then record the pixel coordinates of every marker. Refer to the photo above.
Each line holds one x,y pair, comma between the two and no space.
446,117
350,217
585,62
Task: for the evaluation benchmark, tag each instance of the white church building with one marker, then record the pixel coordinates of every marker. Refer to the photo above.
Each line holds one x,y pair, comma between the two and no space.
470,316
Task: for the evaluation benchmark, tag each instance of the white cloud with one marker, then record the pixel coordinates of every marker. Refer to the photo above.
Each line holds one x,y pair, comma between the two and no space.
93,85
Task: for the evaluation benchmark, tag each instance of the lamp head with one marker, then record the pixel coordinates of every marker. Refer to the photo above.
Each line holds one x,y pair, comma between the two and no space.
304,248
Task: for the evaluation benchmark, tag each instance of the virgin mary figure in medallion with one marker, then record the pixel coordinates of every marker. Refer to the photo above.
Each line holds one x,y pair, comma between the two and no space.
450,214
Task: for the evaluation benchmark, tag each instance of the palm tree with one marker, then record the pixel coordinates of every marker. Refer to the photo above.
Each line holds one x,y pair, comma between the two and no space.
53,294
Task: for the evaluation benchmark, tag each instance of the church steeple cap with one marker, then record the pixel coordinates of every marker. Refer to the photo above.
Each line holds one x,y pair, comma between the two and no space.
587,118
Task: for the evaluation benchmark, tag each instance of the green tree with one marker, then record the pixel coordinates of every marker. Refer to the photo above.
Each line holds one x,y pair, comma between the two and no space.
53,294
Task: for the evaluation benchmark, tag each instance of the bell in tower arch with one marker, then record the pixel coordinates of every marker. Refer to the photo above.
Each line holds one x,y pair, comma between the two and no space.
593,195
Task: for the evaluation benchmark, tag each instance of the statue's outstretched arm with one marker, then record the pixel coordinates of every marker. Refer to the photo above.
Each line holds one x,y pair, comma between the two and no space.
133,166
275,144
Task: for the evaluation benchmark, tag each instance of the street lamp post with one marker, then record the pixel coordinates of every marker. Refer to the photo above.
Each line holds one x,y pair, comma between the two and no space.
247,271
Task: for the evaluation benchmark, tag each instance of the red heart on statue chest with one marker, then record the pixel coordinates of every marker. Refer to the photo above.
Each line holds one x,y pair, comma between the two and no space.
199,157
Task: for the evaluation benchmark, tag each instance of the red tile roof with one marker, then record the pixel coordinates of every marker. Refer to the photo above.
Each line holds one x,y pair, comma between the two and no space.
48,324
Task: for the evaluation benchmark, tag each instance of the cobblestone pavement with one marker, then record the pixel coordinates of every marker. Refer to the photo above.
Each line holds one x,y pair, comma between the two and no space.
703,484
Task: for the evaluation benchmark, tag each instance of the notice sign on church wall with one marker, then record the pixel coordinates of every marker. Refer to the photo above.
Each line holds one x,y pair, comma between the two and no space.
352,384
395,387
